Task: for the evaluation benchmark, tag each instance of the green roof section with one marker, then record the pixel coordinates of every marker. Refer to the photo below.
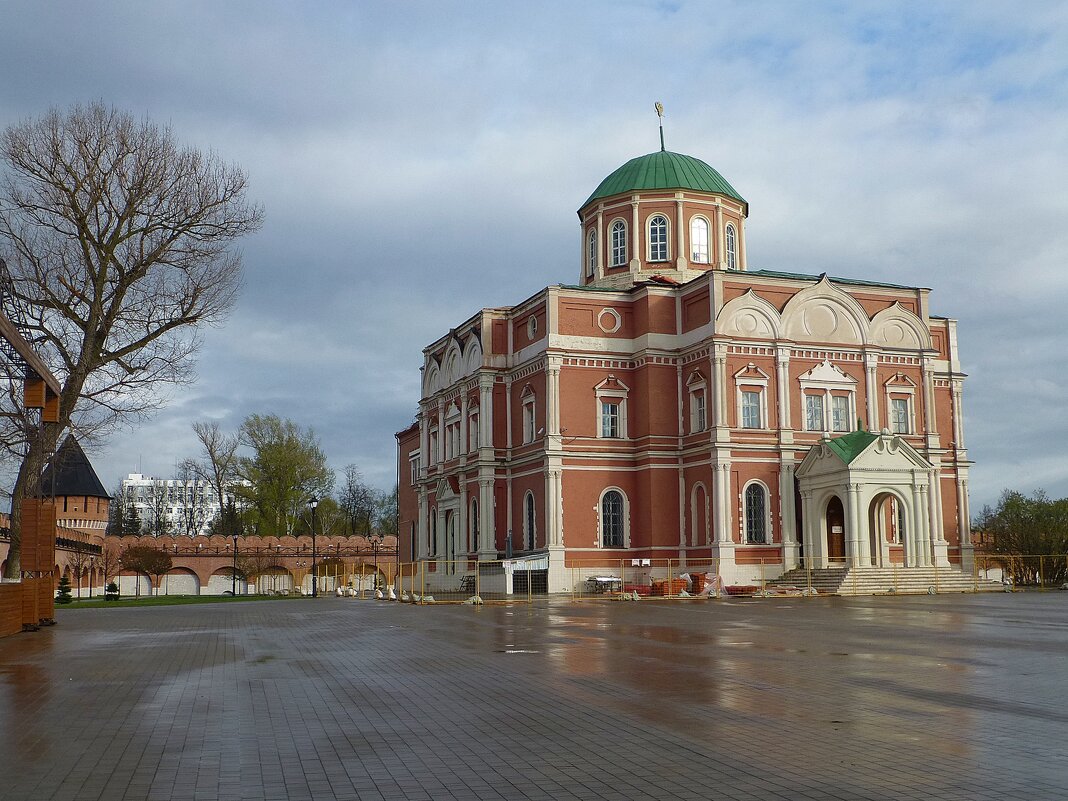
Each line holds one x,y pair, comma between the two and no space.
807,277
664,170
850,446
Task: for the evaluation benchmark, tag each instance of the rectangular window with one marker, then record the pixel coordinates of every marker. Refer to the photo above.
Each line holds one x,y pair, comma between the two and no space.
697,411
814,413
899,415
750,409
472,432
528,421
840,413
413,465
609,418
433,446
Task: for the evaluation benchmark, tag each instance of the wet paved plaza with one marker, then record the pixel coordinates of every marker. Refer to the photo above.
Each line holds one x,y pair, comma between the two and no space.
945,697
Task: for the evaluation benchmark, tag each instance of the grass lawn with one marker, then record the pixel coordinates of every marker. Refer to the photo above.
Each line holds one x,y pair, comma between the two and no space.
97,602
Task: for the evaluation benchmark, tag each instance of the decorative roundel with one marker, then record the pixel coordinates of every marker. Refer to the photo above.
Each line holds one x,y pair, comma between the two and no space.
609,321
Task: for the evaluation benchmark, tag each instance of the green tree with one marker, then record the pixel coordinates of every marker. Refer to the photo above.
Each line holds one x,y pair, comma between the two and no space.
1032,533
119,242
286,468
63,596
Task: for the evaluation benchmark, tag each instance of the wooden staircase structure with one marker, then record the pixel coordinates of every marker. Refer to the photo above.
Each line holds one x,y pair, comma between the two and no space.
894,580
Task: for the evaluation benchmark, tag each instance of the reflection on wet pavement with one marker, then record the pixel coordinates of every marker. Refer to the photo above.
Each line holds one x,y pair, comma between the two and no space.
869,698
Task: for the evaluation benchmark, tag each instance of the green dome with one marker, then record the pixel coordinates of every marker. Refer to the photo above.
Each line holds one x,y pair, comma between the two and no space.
663,170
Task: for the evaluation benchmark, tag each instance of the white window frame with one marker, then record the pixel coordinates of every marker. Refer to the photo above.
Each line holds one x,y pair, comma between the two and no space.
618,239
699,251
845,426
663,249
698,537
769,535
611,414
452,432
730,250
611,390
591,253
432,444
413,466
811,399
601,522
697,388
528,401
826,380
472,429
751,379
900,387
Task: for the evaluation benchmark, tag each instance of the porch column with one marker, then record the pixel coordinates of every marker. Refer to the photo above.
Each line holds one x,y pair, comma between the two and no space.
917,534
859,551
782,386
871,390
487,535
787,514
422,533
485,413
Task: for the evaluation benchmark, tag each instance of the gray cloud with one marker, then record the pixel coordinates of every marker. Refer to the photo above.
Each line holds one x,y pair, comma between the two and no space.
419,161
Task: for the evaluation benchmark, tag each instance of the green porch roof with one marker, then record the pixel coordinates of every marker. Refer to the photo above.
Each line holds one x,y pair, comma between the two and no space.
850,446
664,170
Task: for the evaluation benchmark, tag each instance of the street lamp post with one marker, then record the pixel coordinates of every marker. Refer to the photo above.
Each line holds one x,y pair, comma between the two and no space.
313,502
233,573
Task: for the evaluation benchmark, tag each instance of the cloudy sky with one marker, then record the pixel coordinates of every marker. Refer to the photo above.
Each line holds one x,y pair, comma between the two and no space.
418,161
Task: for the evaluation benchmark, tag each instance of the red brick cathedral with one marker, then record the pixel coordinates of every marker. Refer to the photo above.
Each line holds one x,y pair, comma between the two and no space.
673,403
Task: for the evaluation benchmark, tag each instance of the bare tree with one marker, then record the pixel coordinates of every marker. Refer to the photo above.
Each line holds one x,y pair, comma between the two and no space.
146,559
358,502
218,468
119,242
188,493
156,522
108,561
78,562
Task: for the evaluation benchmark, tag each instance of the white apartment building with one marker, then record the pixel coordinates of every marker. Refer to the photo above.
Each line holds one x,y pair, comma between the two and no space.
187,505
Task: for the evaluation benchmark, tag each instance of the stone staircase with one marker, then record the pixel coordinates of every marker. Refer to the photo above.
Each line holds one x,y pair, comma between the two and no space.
845,580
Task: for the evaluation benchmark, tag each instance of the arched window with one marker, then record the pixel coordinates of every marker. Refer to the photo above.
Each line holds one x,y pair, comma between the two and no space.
619,243
474,525
732,247
612,519
591,252
658,238
529,522
699,240
756,508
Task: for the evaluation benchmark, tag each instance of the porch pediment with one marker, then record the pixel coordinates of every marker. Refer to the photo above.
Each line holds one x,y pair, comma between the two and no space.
861,451
447,488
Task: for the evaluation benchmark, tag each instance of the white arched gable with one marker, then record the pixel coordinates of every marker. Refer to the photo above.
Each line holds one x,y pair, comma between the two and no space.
431,380
825,313
749,316
453,361
473,358
897,327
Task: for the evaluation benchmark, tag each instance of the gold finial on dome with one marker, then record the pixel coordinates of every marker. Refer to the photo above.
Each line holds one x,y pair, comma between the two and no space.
660,113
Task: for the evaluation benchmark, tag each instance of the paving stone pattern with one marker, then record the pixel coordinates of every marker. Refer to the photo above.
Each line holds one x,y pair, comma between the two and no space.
945,697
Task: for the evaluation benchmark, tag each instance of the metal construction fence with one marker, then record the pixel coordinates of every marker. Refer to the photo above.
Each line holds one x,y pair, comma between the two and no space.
523,580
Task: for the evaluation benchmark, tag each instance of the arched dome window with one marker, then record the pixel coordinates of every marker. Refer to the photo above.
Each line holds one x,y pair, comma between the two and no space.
658,238
612,519
591,252
756,505
619,243
732,247
699,240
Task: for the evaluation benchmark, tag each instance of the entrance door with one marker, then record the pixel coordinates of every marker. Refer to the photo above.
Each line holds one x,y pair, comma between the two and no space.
835,530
